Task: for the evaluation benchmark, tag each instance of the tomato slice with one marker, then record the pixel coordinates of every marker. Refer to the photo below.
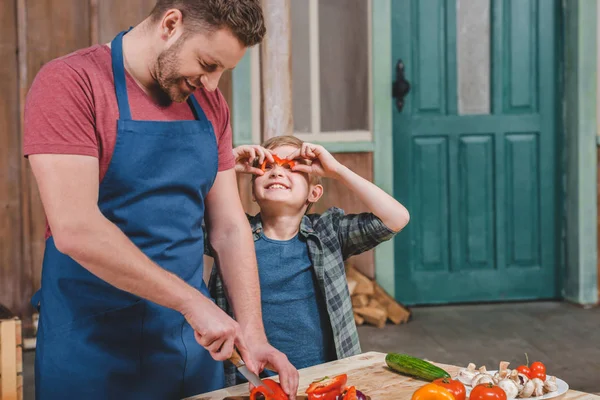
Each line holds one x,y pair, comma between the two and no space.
328,384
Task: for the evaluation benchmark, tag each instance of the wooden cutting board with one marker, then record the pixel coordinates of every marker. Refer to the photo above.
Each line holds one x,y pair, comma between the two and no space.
369,373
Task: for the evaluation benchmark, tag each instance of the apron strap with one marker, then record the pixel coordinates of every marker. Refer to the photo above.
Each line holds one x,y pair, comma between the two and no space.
121,83
198,111
119,76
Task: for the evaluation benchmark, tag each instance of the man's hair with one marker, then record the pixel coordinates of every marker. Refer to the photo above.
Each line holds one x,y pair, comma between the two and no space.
244,18
278,141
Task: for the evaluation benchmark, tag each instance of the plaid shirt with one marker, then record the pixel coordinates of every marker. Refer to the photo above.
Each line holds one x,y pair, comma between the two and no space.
331,237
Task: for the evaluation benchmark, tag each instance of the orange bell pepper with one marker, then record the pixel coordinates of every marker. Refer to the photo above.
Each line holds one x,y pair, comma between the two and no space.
431,391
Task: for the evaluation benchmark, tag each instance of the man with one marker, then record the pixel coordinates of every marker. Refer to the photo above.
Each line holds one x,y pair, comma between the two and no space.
130,145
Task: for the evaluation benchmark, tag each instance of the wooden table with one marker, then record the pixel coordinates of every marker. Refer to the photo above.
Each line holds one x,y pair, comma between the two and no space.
369,373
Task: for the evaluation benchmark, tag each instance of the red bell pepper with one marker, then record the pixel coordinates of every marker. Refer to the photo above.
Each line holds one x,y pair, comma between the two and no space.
327,388
278,161
276,394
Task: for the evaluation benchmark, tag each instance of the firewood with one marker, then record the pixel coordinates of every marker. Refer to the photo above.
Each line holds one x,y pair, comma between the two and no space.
375,304
352,286
364,285
358,319
360,300
373,316
396,312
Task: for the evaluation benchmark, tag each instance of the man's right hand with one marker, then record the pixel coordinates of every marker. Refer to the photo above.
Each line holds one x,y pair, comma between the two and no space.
216,331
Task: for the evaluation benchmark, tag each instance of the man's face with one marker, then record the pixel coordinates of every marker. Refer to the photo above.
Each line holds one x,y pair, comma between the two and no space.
196,61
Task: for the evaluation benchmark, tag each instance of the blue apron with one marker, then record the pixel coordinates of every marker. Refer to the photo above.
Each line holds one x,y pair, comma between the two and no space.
98,342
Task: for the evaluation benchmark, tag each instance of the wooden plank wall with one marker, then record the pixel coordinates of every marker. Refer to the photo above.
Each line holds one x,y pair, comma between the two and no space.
33,32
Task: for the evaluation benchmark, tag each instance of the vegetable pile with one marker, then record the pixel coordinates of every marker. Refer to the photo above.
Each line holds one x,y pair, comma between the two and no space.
521,382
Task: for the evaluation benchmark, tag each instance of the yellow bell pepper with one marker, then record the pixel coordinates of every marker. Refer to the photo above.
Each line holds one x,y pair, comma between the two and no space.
432,391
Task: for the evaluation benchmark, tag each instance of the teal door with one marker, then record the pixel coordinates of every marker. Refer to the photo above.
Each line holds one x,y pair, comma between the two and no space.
475,150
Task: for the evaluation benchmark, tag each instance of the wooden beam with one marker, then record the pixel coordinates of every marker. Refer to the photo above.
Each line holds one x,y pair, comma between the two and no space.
277,69
581,277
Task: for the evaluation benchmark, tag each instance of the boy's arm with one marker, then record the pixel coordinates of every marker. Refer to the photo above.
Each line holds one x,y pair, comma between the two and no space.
393,214
358,232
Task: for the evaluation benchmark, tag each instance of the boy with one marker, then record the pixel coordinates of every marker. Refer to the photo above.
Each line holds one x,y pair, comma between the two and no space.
306,306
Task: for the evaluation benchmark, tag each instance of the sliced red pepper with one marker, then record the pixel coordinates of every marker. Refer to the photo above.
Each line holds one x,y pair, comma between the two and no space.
278,161
276,394
327,388
350,393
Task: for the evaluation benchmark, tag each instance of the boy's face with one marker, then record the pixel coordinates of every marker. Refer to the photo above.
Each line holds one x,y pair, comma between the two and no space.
283,188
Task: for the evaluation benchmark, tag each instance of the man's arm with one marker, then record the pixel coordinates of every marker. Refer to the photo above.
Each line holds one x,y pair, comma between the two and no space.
233,250
68,186
231,239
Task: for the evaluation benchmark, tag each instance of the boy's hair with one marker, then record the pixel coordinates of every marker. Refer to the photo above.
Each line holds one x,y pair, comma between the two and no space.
244,18
288,140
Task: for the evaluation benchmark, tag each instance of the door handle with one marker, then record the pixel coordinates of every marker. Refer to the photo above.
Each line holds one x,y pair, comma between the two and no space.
401,86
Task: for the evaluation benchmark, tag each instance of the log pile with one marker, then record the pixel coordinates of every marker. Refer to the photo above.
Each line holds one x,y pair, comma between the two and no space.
370,303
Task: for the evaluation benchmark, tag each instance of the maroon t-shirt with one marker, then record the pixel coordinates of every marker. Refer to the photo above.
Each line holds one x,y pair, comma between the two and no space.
71,108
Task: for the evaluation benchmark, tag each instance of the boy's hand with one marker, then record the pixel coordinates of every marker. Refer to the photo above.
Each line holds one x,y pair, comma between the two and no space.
322,162
247,154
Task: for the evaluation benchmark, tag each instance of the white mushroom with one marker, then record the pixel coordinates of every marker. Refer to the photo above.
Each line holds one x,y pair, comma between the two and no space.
528,389
481,378
550,384
538,389
466,375
510,387
519,378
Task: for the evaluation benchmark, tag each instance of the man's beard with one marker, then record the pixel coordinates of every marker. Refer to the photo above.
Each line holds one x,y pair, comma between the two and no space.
167,76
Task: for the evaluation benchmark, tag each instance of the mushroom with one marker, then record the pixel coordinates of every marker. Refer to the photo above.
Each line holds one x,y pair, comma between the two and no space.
528,389
550,384
519,378
466,375
481,378
510,387
538,389
503,372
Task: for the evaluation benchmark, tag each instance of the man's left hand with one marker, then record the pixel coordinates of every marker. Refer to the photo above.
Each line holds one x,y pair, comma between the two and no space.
264,354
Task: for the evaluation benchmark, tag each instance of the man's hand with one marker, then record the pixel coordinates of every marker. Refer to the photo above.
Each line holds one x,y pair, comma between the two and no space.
264,354
214,330
322,163
247,154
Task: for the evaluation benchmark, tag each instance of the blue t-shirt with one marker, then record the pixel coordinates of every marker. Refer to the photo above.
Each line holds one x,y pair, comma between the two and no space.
294,310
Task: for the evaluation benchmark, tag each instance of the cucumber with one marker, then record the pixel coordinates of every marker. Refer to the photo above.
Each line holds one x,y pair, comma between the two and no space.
415,367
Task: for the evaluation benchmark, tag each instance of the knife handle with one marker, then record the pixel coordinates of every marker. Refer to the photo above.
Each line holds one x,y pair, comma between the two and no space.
236,360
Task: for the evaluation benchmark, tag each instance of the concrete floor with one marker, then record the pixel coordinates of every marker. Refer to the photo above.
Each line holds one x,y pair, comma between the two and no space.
565,337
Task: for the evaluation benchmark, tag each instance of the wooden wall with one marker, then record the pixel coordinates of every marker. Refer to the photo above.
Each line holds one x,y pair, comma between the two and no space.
33,32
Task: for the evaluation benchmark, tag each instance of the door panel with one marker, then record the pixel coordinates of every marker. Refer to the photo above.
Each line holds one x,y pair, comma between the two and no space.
481,186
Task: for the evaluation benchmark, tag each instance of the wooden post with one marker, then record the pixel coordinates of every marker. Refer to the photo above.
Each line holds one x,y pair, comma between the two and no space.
277,69
11,360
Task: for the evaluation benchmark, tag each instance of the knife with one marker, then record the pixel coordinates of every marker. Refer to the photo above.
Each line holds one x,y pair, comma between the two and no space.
236,360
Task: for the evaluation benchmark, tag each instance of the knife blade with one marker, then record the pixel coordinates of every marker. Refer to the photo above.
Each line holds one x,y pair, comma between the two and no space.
236,360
